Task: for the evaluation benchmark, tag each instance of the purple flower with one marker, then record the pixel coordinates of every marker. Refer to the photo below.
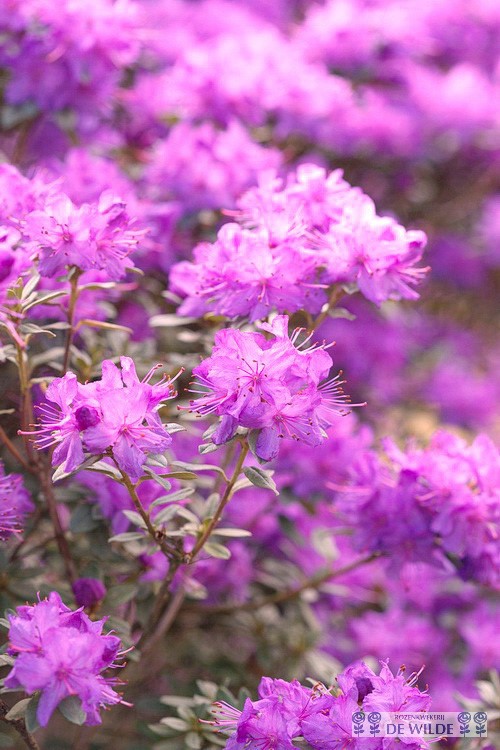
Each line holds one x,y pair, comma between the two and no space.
394,693
62,653
204,167
332,729
298,239
287,710
244,274
437,505
15,504
88,592
270,385
91,237
116,414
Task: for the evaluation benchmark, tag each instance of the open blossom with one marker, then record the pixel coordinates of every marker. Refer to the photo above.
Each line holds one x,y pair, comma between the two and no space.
349,240
117,415
270,385
287,711
437,505
15,504
92,237
297,239
243,274
61,653
205,167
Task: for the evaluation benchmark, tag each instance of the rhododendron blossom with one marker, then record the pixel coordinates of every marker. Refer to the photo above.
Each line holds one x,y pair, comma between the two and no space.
117,415
61,653
15,504
269,384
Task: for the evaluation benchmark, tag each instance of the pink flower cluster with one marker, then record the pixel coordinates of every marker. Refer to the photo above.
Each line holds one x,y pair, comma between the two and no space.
15,504
271,385
117,416
62,653
298,238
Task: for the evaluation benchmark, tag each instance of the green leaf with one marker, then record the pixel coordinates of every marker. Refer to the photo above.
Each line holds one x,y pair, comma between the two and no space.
260,478
97,285
341,312
43,299
166,514
170,321
135,518
30,716
207,448
200,467
235,533
103,324
174,723
30,286
120,594
173,427
188,515
217,550
71,709
18,711
103,468
127,536
175,700
180,494
59,474
32,330
157,459
180,474
157,478
82,520
193,741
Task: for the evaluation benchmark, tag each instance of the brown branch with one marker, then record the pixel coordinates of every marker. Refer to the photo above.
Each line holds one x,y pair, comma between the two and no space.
62,542
19,725
73,298
4,438
153,533
336,295
226,497
280,597
167,607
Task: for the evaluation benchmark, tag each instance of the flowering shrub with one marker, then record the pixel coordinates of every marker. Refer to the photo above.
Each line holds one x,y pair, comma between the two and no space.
211,213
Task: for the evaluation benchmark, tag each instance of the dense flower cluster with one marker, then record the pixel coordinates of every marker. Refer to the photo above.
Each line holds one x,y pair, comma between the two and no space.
62,653
298,239
90,237
186,182
270,385
207,168
437,504
117,415
69,56
15,504
287,710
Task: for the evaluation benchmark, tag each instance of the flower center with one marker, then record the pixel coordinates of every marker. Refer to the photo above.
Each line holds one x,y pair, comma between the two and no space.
86,416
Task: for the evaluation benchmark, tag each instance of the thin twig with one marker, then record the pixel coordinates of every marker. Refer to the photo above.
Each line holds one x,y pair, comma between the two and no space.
62,542
281,597
73,298
226,497
167,607
153,533
19,725
4,438
26,410
335,296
